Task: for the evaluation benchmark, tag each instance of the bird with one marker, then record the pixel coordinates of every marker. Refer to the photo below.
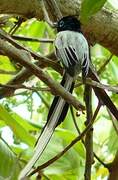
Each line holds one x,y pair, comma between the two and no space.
72,51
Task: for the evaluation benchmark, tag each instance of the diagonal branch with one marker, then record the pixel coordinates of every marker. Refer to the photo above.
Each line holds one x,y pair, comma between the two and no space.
43,60
32,39
102,95
24,58
78,138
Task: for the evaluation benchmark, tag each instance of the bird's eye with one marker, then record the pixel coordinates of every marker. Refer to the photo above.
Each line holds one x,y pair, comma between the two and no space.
61,24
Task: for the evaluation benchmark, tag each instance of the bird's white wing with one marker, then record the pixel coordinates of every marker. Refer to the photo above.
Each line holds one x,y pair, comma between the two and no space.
71,49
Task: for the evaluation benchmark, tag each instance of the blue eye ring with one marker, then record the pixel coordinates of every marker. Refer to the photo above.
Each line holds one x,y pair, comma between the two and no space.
61,24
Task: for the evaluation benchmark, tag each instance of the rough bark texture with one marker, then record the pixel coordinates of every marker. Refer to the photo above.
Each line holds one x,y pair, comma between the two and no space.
101,28
114,169
28,9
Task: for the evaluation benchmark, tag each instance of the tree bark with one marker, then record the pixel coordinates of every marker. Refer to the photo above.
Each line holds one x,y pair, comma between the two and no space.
27,9
102,28
114,168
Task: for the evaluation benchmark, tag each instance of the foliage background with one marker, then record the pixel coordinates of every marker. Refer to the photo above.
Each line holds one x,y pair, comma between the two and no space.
23,115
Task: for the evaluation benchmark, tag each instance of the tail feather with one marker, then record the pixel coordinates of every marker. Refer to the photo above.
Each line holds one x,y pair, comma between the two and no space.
56,99
56,115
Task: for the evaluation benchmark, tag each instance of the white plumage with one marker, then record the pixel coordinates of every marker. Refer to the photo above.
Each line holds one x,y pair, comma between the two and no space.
76,45
47,132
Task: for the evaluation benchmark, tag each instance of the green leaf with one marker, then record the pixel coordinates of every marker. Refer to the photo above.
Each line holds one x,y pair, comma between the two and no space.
16,127
112,140
9,166
28,126
66,167
68,137
89,8
5,64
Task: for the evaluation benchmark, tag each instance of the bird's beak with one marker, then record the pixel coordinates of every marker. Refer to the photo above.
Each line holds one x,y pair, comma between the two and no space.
55,24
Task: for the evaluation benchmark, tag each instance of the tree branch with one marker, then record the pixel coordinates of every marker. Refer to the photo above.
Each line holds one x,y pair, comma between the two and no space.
102,28
7,72
24,58
97,84
21,76
102,95
32,39
89,134
113,169
20,86
43,59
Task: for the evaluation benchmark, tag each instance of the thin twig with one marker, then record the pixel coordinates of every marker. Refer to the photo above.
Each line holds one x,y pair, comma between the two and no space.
17,25
32,39
115,124
9,147
105,165
43,100
20,86
101,69
98,84
7,72
69,146
31,105
74,120
75,123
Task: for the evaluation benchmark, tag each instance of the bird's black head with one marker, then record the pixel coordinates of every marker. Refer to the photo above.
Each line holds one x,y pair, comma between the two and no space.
69,23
